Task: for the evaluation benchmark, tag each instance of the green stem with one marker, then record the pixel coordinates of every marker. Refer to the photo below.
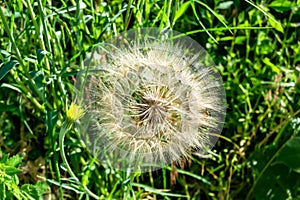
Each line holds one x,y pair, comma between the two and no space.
40,36
65,128
128,15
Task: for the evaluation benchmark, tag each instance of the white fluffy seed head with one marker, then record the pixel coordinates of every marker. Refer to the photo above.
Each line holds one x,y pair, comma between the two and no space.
151,100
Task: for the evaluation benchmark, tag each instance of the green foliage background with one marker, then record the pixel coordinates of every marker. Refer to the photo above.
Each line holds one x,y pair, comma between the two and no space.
255,45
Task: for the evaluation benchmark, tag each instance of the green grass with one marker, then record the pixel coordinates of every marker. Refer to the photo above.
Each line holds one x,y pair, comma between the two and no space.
255,46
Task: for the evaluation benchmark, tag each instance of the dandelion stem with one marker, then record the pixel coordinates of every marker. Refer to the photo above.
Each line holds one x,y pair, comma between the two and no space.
65,128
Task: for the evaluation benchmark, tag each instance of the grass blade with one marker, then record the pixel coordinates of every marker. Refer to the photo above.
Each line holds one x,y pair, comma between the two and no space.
7,67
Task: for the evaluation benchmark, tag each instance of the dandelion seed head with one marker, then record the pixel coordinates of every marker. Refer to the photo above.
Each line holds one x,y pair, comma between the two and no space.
151,98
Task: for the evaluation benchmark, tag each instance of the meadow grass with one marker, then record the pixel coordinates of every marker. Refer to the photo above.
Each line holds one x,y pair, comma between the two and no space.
255,46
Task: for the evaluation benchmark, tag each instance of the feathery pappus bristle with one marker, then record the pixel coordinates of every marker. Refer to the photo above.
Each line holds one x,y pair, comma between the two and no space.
151,98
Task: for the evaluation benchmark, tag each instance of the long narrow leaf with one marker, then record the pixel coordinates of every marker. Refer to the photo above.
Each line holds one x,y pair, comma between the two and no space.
218,16
274,23
7,67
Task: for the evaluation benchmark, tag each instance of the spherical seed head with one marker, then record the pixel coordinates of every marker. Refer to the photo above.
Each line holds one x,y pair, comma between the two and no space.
152,98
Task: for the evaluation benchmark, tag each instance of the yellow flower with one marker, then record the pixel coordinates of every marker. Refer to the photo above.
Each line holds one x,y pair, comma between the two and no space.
75,112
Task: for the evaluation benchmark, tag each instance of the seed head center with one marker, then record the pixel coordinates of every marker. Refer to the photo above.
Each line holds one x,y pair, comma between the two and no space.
155,113
153,106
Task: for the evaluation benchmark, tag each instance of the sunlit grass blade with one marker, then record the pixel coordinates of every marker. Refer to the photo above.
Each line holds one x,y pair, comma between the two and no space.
218,16
276,24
